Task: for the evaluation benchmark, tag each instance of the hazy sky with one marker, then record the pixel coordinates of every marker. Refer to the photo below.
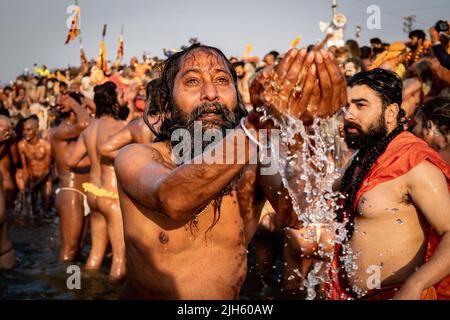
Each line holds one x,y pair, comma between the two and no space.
35,30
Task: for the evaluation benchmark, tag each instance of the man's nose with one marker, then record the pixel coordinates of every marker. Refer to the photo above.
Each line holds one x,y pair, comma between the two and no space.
209,92
348,114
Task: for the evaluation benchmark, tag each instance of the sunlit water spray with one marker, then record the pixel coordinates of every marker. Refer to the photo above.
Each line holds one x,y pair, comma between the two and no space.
309,174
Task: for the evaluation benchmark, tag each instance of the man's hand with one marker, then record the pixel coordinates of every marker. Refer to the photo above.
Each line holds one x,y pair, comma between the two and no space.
66,102
409,291
304,85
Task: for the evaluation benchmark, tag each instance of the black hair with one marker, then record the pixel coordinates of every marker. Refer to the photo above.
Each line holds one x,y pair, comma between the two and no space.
76,96
106,102
151,106
417,33
33,117
388,86
377,51
354,48
4,111
437,110
273,53
375,41
365,52
238,64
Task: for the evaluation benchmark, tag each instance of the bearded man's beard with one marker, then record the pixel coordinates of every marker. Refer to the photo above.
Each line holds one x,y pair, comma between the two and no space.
375,133
216,129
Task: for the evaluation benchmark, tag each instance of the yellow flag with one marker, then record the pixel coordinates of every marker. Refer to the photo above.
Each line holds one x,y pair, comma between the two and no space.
101,62
248,50
295,42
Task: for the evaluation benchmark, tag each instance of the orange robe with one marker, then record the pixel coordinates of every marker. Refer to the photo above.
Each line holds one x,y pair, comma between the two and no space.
403,153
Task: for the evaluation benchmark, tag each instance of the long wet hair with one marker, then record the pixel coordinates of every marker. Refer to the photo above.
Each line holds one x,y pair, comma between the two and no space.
388,86
162,93
162,99
107,103
437,110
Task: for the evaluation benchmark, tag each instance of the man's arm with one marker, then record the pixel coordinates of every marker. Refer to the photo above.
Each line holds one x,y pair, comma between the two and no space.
67,132
23,159
77,153
112,146
48,155
163,189
429,192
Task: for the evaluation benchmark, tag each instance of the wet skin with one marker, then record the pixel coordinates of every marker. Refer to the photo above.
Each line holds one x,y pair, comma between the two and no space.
69,204
165,260
36,157
85,147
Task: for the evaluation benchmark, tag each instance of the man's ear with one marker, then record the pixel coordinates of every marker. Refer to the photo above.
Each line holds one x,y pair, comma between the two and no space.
391,113
429,125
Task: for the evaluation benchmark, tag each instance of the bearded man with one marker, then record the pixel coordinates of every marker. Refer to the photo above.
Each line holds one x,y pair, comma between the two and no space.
396,190
188,224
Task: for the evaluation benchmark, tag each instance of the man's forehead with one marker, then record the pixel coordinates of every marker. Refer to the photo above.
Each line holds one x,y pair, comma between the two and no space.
203,60
5,121
31,122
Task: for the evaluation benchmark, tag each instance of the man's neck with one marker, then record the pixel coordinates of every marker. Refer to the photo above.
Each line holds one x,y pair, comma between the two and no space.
34,141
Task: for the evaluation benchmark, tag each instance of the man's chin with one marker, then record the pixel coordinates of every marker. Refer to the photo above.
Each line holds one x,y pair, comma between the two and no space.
353,142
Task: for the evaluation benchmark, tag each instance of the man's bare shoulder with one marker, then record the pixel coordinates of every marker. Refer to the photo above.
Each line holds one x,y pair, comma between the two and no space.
425,172
44,142
21,145
137,151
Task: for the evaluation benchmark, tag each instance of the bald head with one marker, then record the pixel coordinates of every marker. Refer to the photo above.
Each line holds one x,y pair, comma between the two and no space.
31,128
5,121
5,128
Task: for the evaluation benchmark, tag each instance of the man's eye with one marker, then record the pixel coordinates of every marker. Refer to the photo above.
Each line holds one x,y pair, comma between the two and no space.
222,80
360,105
191,81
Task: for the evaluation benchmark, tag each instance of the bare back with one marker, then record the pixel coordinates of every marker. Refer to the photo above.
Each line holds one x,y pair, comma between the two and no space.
107,127
60,150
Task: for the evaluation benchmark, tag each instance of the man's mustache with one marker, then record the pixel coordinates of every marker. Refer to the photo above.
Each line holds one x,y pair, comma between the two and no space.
209,107
351,125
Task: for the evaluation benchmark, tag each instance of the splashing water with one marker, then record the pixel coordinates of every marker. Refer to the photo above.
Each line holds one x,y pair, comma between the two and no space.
309,174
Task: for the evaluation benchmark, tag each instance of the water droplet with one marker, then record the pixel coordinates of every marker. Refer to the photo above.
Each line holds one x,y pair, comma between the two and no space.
291,277
394,210
399,221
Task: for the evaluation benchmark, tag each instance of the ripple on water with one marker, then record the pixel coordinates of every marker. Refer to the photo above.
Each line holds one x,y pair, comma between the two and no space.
38,273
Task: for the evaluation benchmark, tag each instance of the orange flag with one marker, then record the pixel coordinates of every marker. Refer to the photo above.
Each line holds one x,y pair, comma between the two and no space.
120,49
74,30
84,61
101,62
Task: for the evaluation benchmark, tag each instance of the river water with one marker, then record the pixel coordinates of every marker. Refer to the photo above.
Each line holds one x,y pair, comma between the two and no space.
39,275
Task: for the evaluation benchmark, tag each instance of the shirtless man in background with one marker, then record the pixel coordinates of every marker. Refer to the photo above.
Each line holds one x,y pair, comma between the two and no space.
9,157
36,157
396,188
70,200
136,131
85,147
433,125
108,114
7,255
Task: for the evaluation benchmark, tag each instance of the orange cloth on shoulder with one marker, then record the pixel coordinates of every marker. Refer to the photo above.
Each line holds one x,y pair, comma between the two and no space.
403,153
